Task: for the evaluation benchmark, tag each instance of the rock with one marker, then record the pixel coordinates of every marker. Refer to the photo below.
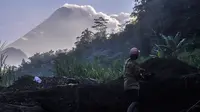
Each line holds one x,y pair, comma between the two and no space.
19,108
88,81
26,83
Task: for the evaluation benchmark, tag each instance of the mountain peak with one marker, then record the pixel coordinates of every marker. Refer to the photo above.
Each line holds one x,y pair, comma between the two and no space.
60,30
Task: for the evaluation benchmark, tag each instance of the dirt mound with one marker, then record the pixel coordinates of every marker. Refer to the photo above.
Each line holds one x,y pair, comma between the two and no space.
26,83
168,88
165,68
102,98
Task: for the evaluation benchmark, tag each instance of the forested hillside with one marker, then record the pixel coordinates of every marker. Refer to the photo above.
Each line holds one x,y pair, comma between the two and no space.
163,28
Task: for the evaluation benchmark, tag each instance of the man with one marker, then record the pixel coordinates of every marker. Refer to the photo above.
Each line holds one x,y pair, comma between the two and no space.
132,75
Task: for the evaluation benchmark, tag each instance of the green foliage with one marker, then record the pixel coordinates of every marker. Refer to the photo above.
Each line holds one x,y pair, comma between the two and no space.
172,46
83,42
42,57
84,39
191,58
7,76
194,60
71,67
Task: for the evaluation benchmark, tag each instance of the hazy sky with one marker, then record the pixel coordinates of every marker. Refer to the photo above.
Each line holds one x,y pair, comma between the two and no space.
17,17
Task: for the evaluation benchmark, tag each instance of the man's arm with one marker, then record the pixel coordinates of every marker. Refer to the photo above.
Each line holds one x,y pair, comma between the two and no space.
139,71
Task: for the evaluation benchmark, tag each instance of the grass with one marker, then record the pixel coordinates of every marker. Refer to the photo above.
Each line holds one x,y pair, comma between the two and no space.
71,67
7,75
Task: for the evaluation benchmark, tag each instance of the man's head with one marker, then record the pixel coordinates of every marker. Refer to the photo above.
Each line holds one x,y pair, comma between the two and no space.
134,53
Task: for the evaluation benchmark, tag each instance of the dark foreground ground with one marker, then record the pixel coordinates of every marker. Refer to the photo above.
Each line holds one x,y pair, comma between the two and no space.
168,91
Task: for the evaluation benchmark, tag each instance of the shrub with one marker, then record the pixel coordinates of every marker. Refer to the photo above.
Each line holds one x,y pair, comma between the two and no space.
172,46
71,67
191,58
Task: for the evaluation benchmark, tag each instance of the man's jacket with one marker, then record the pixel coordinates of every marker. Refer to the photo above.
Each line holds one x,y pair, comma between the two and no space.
131,74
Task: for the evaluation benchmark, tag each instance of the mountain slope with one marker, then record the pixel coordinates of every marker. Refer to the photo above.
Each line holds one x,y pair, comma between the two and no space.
48,35
15,56
61,29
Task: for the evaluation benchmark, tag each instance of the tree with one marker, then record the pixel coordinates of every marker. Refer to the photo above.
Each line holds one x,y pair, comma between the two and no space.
83,42
100,26
23,62
84,39
35,58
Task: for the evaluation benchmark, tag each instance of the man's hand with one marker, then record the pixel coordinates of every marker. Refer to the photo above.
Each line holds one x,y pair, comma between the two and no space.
142,72
145,75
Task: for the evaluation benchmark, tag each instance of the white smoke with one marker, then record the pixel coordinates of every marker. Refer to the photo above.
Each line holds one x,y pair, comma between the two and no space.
121,17
87,11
